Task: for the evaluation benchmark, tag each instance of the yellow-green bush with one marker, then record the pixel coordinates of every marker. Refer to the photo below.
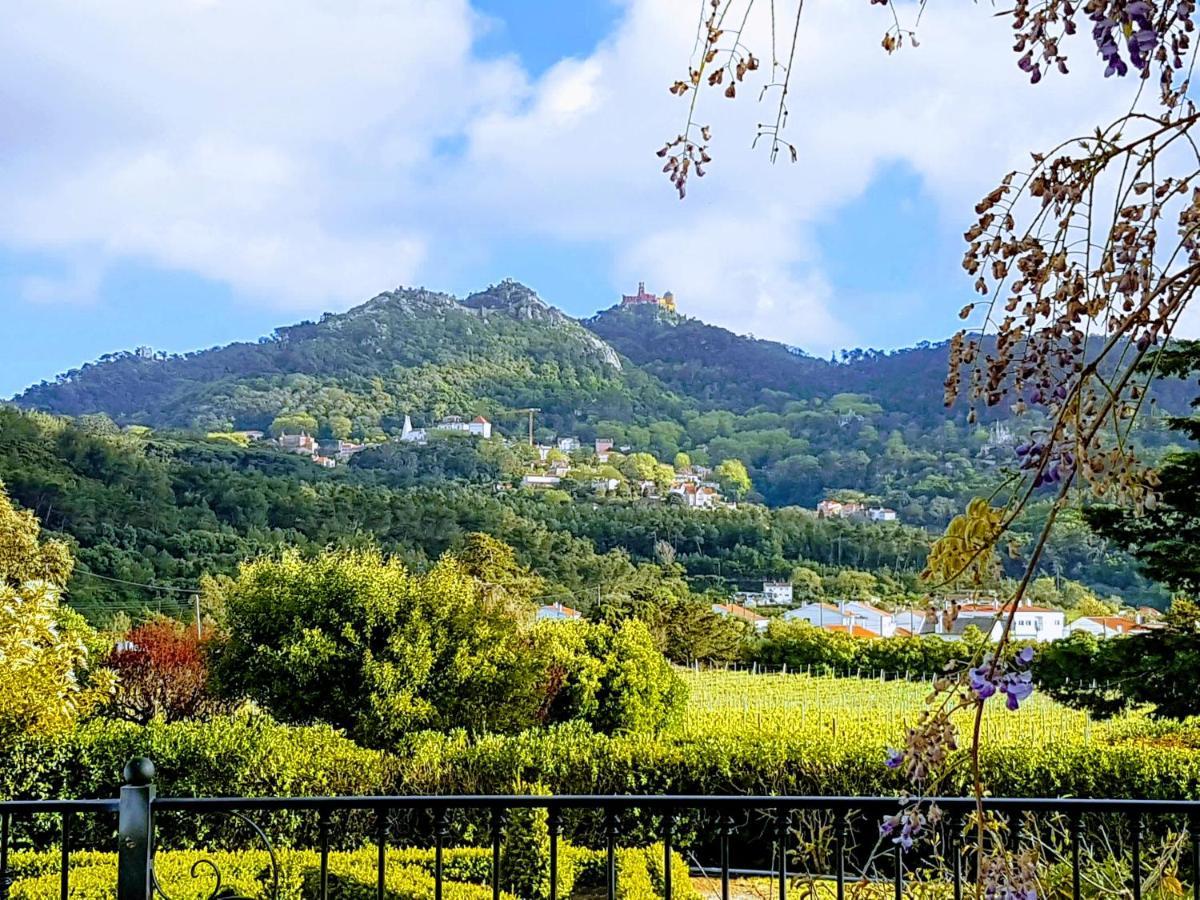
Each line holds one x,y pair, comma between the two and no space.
191,874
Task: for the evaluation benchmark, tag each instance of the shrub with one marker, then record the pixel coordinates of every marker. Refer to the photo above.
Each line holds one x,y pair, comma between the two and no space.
162,671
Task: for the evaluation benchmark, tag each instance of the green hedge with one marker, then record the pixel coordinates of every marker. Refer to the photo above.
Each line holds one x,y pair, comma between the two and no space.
189,874
250,755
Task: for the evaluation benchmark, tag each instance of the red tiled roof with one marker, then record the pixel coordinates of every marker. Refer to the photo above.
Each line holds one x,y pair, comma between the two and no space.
1115,623
853,630
741,612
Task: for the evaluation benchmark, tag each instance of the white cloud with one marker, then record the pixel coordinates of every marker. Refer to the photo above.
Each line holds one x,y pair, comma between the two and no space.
291,149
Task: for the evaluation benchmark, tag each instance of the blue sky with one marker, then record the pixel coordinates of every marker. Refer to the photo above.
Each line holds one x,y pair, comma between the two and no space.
211,170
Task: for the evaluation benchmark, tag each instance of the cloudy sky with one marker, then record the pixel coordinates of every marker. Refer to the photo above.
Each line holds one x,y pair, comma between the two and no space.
190,172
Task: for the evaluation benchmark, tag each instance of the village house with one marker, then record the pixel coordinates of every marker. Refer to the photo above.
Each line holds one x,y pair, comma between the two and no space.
838,509
773,593
540,481
1107,626
870,617
480,427
325,462
603,448
777,593
1031,623
759,623
452,424
300,443
881,514
341,450
822,615
696,495
556,612
568,444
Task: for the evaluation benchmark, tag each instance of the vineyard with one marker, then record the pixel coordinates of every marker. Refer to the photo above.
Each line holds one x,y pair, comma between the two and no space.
867,711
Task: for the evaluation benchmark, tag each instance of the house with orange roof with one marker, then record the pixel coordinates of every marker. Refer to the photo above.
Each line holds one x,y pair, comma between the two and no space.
749,616
1107,626
853,630
480,427
556,612
874,619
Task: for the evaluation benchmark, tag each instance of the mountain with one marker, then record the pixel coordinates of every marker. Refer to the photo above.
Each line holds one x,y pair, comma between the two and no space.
723,370
408,351
640,375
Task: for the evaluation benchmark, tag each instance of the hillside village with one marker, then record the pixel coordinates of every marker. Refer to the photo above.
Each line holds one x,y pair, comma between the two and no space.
948,618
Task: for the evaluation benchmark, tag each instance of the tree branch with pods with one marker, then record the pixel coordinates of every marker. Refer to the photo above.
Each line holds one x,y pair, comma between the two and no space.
1084,263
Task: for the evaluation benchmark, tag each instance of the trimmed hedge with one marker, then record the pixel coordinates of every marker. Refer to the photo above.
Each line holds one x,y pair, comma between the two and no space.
250,755
190,874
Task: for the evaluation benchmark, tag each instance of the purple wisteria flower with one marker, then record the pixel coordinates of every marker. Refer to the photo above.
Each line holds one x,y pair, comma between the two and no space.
1016,683
1134,23
895,758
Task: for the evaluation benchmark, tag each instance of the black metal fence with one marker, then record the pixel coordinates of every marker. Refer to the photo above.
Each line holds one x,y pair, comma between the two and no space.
790,842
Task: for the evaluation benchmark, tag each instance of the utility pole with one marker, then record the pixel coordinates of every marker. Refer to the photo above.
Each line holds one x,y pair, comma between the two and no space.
196,600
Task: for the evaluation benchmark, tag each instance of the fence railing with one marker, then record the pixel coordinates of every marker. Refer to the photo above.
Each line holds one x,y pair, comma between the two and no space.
790,841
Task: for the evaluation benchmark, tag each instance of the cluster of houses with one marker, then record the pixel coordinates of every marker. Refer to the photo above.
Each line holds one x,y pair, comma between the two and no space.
854,509
324,453
692,487
865,620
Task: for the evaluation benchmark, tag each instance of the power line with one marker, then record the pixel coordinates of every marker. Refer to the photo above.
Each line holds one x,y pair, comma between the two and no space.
149,587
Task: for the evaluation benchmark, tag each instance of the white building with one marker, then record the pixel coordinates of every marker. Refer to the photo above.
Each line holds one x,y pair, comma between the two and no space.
453,423
1107,626
568,444
480,427
777,593
823,615
912,622
881,514
696,494
540,481
1031,623
872,618
412,435
341,450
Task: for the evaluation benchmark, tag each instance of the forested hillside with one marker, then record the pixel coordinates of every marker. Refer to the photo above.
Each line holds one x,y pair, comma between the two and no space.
649,380
166,509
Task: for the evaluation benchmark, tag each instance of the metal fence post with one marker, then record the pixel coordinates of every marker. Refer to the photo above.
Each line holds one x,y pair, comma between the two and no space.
135,832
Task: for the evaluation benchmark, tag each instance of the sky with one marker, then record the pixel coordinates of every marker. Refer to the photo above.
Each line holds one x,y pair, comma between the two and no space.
192,172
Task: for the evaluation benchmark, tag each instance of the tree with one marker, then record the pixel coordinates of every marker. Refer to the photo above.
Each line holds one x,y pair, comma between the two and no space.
162,672
1158,668
733,478
294,423
683,462
340,426
46,683
806,583
355,639
1166,538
